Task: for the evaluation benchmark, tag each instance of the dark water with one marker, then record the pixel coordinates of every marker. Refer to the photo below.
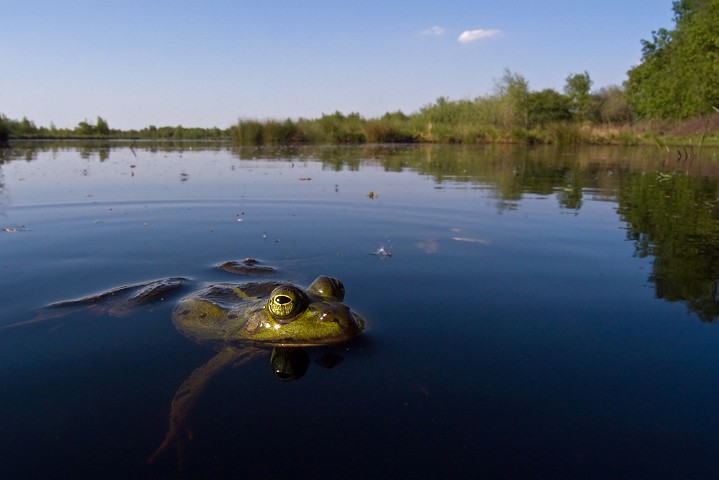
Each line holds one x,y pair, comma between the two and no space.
544,313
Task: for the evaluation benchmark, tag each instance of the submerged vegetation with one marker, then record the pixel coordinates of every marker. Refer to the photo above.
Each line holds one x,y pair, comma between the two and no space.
671,97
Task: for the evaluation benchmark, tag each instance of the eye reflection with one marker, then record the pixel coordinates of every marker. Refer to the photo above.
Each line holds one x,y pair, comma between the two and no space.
289,363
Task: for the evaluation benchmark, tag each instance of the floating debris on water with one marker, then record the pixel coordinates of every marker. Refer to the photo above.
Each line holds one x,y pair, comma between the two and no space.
663,177
372,195
482,241
15,229
384,251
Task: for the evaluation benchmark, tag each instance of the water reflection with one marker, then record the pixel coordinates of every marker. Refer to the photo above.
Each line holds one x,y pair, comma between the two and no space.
674,218
510,330
102,149
668,202
3,201
289,363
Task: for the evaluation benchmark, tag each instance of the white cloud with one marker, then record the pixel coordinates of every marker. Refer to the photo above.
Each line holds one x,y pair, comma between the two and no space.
436,30
475,35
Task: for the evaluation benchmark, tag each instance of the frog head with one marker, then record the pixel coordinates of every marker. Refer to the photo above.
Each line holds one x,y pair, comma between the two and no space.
292,316
276,314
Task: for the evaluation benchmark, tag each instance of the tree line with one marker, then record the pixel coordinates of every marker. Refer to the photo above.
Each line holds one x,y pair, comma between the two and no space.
27,129
675,80
511,113
678,76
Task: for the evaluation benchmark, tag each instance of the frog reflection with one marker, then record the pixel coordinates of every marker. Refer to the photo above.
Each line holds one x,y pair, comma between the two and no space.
289,363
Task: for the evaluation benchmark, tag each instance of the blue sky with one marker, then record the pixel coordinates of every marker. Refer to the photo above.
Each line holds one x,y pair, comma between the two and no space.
161,62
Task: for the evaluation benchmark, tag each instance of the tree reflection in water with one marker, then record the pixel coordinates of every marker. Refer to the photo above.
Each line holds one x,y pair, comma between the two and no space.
669,203
674,218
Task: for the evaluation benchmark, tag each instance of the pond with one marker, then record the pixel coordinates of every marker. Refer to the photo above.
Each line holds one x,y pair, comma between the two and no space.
531,312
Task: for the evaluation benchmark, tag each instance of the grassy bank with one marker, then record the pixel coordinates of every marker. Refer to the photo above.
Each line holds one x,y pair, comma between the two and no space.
493,119
400,128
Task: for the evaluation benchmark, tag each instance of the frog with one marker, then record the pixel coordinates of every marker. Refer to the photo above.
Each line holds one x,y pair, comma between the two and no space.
268,313
240,321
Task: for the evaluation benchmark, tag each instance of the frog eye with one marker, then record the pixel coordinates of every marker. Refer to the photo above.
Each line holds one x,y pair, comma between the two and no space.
285,302
328,287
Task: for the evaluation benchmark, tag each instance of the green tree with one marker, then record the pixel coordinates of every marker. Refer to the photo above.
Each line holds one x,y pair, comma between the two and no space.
578,89
612,105
101,127
677,76
548,106
512,91
4,130
445,111
85,129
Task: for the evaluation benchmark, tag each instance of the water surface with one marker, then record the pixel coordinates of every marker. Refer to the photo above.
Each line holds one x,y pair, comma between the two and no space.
544,313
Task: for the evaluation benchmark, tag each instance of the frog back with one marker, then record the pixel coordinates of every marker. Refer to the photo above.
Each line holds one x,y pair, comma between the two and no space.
220,312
